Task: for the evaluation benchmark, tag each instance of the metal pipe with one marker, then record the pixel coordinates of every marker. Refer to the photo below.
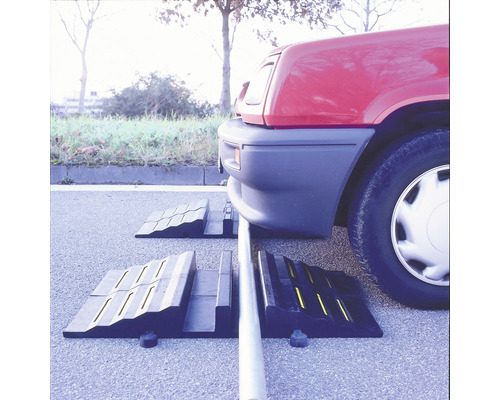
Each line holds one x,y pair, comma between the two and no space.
251,360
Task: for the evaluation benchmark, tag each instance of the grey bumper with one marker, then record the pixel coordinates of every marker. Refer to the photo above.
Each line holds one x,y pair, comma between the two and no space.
289,179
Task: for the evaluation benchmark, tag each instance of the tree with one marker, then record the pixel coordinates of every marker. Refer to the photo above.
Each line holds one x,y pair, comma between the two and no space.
155,95
87,18
362,15
314,13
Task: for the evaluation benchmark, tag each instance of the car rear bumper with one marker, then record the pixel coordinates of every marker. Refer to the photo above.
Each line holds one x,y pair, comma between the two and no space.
289,179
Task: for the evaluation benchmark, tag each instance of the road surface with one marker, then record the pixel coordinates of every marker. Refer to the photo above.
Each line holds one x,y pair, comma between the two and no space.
92,231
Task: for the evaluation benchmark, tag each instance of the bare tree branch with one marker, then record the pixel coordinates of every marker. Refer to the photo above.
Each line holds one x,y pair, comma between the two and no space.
80,12
345,22
351,11
232,35
71,36
375,23
389,10
337,28
367,13
216,51
392,2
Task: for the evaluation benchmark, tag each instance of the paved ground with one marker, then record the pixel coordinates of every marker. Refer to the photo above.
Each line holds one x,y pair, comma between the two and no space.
93,232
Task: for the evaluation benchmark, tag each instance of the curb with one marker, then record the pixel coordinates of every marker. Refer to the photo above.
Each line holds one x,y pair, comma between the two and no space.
174,175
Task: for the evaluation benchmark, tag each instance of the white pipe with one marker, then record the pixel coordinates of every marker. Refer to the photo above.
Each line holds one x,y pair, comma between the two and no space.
251,360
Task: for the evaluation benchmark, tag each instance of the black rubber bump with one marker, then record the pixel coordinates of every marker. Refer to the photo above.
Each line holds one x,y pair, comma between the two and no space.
298,338
148,339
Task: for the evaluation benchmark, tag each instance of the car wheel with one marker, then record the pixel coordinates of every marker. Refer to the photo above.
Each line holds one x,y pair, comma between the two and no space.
399,220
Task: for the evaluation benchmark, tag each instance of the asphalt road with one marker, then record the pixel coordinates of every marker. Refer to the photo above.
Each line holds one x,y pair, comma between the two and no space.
93,232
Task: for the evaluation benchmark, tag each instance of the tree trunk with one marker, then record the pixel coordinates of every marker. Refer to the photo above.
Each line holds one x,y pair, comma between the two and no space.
83,84
83,52
366,23
225,98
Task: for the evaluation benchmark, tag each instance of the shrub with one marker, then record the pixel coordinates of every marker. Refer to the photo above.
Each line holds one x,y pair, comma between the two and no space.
154,95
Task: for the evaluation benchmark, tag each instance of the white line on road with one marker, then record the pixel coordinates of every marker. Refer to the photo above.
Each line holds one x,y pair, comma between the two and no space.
135,188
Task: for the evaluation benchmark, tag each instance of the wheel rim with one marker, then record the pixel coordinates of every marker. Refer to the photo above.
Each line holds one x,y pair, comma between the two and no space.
420,227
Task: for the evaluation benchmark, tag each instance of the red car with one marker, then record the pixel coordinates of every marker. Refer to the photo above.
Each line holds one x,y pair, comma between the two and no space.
353,131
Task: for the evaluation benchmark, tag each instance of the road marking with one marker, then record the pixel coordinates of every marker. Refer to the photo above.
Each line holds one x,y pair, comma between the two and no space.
136,188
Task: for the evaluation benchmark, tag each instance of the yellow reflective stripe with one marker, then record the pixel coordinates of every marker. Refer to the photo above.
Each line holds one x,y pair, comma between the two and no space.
102,309
161,268
290,270
124,304
300,297
140,275
147,296
309,275
343,311
121,279
327,280
322,305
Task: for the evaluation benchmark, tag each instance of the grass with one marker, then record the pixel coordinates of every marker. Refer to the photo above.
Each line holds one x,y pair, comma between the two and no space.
85,140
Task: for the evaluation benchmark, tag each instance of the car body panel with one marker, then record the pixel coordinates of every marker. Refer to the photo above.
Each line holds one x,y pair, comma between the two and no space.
353,80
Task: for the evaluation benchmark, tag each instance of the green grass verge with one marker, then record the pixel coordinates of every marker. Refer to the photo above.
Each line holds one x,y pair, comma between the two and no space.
85,140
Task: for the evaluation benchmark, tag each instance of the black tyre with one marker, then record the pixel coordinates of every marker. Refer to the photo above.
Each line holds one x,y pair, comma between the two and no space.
399,220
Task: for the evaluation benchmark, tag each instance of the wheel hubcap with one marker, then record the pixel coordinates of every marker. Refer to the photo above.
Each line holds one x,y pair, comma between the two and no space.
420,227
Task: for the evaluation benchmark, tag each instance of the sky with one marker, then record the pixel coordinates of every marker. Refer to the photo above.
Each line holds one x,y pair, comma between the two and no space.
128,41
